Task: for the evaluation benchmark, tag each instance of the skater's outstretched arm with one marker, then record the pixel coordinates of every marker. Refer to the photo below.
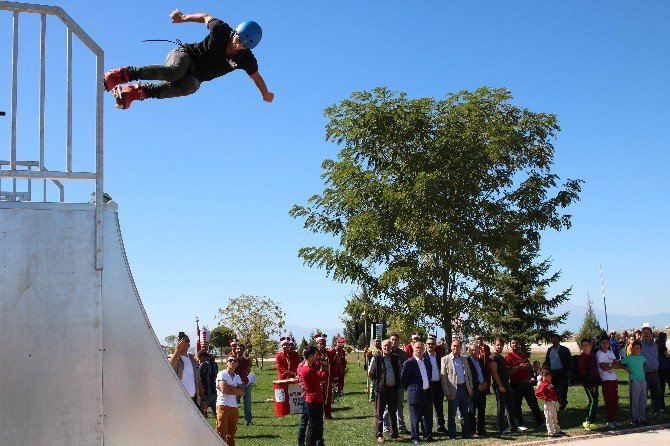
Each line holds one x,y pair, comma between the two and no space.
268,96
199,17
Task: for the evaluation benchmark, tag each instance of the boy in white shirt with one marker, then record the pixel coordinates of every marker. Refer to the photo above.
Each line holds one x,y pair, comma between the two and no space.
607,363
228,386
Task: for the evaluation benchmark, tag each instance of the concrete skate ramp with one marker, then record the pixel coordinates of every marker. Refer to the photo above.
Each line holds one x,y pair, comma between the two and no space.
79,361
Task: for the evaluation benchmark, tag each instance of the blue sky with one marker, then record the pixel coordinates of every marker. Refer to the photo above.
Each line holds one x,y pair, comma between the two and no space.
204,183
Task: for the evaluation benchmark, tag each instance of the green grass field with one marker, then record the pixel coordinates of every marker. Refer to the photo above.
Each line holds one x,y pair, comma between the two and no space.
354,415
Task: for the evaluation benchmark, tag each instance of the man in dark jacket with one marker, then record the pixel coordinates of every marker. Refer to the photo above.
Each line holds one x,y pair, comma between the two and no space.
402,357
558,360
436,391
208,371
384,371
480,379
415,378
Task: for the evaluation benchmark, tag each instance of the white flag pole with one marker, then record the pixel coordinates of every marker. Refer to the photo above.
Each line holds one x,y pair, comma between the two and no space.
602,287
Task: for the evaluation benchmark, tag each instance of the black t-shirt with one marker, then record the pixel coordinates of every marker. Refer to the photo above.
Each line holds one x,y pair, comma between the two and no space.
501,369
209,56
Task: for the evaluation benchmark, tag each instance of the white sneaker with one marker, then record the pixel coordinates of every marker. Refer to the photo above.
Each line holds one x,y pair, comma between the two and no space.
611,425
522,428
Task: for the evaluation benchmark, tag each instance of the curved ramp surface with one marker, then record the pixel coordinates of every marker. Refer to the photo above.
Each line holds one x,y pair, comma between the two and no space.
79,361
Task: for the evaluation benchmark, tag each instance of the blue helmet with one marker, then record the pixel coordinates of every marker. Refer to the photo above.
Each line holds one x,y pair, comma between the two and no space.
250,33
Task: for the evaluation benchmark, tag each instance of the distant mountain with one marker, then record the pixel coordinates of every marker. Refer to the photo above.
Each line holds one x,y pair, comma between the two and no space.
617,321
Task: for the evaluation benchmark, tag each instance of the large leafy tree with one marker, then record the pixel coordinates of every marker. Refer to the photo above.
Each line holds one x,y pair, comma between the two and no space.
426,193
256,320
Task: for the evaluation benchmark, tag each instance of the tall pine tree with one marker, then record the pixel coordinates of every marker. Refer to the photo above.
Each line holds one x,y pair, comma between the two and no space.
515,302
590,327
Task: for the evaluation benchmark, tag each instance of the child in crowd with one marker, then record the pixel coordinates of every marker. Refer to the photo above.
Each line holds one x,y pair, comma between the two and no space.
607,363
590,378
634,365
545,391
536,373
629,345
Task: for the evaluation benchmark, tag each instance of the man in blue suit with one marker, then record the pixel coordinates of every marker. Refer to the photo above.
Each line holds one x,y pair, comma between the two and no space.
415,378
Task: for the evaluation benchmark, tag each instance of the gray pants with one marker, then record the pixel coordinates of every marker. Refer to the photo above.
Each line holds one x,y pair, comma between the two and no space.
178,74
401,413
638,400
654,386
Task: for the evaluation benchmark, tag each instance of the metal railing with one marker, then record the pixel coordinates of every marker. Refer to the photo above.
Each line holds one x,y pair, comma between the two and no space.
24,169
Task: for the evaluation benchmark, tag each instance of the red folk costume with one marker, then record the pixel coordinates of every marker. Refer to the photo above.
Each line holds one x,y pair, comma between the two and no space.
287,361
339,363
327,377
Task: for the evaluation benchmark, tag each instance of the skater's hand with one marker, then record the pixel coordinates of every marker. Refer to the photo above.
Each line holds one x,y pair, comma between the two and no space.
177,16
269,96
502,390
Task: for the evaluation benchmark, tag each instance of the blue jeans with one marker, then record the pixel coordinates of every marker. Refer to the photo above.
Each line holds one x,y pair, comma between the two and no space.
247,403
462,402
302,426
314,424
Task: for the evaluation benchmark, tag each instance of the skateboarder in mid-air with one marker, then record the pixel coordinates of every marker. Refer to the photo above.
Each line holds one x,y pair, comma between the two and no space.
223,50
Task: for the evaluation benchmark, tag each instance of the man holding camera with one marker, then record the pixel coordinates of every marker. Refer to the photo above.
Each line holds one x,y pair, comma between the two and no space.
187,370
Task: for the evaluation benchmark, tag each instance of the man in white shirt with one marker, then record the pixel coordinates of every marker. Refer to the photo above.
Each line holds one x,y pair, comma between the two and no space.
187,370
228,387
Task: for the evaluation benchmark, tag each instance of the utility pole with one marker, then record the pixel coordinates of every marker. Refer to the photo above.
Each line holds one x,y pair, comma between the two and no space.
602,287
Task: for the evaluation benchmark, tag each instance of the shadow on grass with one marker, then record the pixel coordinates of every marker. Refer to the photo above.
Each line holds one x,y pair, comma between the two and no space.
359,417
354,393
341,409
258,436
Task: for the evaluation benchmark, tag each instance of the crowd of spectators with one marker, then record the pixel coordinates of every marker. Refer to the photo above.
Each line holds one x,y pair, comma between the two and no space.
426,376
